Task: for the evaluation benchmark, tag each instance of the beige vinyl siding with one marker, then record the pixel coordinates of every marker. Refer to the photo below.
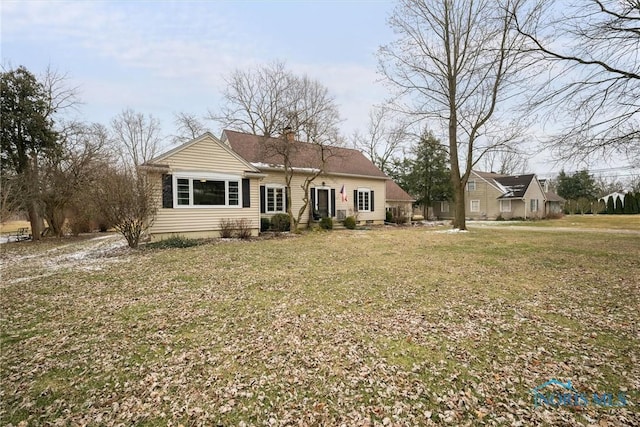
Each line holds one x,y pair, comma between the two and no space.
486,194
208,157
202,221
205,155
334,182
534,192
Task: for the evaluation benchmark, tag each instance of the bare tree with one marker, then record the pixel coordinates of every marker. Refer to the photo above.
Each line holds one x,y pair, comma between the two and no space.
386,135
10,190
127,196
591,48
459,63
70,176
188,127
506,161
286,109
308,159
136,136
266,100
126,201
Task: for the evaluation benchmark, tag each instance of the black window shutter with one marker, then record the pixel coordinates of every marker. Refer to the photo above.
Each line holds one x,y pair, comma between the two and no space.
167,191
371,201
355,200
246,193
333,202
263,194
284,198
312,197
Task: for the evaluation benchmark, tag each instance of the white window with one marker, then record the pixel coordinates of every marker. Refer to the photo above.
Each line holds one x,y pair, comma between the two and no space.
534,205
471,186
206,190
364,200
475,206
276,196
505,205
444,207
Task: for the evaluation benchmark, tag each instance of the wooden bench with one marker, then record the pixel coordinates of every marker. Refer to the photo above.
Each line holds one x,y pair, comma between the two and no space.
22,233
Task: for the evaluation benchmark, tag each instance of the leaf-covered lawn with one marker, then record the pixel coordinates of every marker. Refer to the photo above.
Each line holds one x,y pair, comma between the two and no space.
401,326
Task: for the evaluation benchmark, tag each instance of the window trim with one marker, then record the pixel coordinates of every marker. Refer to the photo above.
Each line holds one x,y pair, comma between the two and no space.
190,176
471,205
502,208
469,185
363,190
266,197
444,207
531,205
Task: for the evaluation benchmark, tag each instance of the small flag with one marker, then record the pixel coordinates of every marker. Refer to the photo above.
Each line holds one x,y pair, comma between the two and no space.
343,193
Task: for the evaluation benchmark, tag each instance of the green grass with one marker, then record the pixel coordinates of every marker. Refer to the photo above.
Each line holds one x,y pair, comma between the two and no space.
323,329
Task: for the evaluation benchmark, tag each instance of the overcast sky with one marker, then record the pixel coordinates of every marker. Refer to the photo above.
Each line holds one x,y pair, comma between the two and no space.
161,57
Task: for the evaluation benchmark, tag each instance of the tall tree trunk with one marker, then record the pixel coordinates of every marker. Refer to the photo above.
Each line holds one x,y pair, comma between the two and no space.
457,183
35,220
459,221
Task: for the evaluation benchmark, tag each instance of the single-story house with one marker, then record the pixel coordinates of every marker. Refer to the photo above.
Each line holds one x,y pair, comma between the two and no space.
489,195
554,204
398,202
241,176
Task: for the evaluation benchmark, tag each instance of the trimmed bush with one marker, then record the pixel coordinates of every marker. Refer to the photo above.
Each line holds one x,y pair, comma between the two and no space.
265,223
619,208
280,222
350,222
611,209
326,223
176,241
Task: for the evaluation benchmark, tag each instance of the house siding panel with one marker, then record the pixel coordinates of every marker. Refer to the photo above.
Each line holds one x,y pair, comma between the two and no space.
534,191
336,183
205,155
200,221
487,195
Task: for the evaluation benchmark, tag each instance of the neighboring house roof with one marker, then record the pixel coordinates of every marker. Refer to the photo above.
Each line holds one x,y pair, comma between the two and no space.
340,161
553,197
515,185
488,175
395,193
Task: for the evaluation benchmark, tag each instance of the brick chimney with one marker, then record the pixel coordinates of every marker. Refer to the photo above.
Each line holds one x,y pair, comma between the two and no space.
289,134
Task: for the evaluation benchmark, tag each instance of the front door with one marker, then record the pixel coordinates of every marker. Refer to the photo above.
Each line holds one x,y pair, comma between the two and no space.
323,202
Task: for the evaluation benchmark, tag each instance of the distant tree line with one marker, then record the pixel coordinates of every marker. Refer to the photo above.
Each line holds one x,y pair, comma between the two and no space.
584,196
